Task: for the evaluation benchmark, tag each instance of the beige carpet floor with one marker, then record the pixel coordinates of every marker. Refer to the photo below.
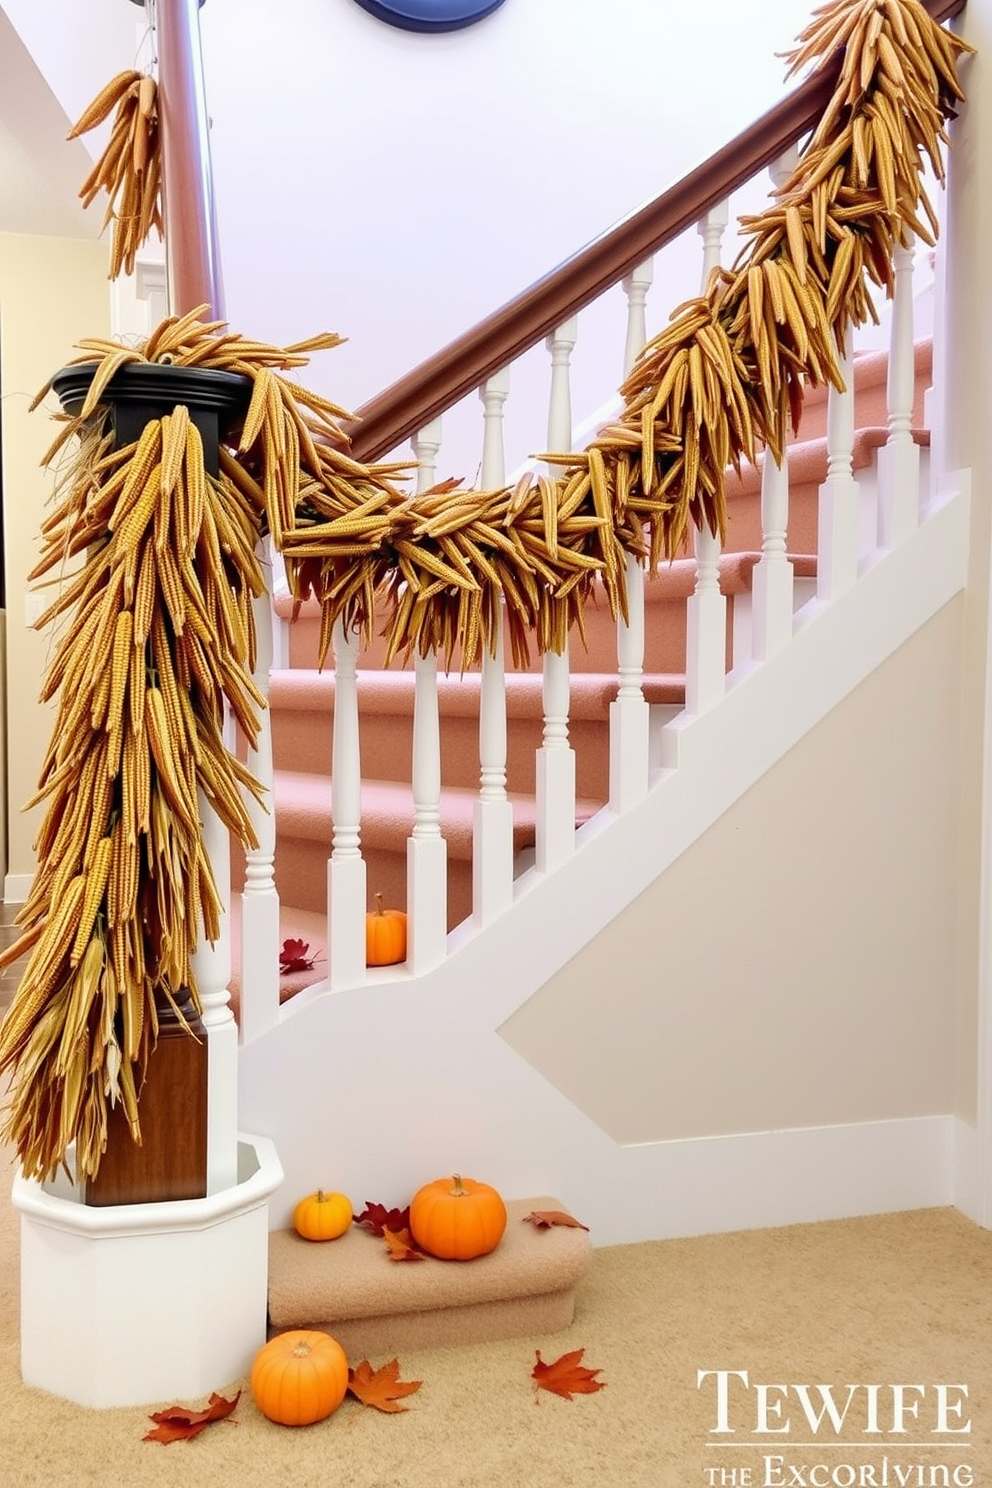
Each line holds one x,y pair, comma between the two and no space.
904,1298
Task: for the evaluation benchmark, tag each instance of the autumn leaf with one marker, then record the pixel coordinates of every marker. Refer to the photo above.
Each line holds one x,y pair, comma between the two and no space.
179,1423
567,1376
382,1387
376,1218
295,956
544,1219
401,1246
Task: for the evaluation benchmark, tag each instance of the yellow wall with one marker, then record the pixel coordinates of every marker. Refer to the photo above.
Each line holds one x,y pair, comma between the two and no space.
52,292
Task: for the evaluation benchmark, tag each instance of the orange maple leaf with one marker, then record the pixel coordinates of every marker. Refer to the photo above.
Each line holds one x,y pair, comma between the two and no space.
543,1219
179,1423
567,1376
382,1387
400,1246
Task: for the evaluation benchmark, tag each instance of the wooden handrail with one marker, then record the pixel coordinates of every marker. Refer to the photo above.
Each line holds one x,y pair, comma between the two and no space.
393,415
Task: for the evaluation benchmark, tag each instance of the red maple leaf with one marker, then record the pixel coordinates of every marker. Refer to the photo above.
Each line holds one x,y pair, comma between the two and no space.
179,1423
381,1387
376,1218
567,1376
544,1219
295,956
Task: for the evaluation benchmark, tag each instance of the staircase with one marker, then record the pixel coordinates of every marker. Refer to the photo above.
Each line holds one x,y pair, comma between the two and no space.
301,697
664,988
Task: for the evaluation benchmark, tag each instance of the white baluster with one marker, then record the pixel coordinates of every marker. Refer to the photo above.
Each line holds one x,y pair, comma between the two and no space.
260,900
772,581
555,762
706,629
426,849
899,460
492,821
630,715
837,535
346,874
635,287
212,969
711,228
425,446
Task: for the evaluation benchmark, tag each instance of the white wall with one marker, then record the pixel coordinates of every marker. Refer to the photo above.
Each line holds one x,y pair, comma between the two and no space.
397,187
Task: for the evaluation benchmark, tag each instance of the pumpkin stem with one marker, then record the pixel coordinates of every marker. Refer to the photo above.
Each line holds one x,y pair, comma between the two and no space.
459,1190
379,909
300,1350
320,1196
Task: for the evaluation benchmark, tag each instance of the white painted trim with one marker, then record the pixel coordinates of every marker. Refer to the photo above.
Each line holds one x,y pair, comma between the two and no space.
967,1186
17,887
800,1176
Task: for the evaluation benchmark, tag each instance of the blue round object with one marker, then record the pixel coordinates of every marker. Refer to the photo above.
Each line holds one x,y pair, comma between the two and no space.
430,15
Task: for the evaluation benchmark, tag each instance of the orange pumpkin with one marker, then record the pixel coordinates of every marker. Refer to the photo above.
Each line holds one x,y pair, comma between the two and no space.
457,1219
385,935
299,1377
322,1216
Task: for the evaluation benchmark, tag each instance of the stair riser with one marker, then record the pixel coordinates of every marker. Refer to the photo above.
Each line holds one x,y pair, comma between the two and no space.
301,877
302,741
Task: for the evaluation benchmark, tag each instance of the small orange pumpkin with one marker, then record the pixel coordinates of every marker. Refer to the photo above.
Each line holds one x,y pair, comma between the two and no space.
385,935
299,1377
322,1216
457,1219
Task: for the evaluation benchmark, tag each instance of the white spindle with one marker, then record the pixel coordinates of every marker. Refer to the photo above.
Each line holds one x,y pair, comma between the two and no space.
426,849
629,712
711,228
346,876
492,824
425,445
212,969
837,536
635,287
260,900
706,628
772,581
899,460
555,763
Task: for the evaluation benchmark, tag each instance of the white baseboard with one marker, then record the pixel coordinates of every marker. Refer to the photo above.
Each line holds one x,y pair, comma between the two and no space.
765,1179
17,887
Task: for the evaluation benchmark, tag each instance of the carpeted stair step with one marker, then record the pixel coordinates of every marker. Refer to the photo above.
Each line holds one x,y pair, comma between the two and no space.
294,924
302,703
807,472
375,1308
303,805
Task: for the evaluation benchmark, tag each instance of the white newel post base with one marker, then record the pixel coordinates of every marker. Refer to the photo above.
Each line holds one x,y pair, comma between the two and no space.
149,1303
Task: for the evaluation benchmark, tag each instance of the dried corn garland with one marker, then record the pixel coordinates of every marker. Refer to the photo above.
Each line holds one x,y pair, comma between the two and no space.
729,370
448,565
130,168
158,633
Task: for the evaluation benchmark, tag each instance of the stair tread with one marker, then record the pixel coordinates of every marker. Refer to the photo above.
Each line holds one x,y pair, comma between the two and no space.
303,805
352,1278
